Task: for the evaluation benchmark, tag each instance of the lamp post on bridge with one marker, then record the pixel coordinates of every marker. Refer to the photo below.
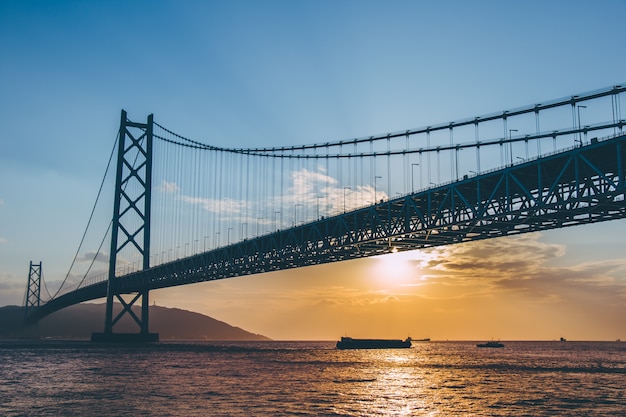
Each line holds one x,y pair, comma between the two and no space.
244,235
580,137
228,236
412,175
375,193
511,144
295,214
318,207
275,220
456,162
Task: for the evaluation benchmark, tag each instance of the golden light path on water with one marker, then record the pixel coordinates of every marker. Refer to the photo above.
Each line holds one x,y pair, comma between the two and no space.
392,389
392,383
442,379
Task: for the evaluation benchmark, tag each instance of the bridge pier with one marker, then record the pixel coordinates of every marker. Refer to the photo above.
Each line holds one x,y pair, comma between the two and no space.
124,337
144,335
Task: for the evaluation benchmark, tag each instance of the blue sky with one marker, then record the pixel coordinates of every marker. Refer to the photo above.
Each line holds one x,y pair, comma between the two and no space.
251,73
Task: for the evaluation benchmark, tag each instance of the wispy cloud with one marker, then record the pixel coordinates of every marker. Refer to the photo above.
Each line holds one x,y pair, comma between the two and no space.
308,186
89,256
3,240
224,206
522,265
168,187
316,192
8,281
521,255
305,181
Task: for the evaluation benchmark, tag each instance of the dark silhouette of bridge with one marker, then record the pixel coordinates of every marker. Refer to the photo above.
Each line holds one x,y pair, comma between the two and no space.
356,198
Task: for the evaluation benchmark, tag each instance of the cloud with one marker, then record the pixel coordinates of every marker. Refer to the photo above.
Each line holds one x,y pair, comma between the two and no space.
1,202
522,265
224,206
315,192
8,281
489,260
305,181
12,289
89,256
168,187
343,296
307,187
3,240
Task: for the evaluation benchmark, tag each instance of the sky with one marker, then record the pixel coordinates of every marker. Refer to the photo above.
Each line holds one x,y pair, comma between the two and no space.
265,73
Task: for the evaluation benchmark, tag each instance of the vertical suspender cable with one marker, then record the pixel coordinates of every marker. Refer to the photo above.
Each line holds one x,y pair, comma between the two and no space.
389,192
428,155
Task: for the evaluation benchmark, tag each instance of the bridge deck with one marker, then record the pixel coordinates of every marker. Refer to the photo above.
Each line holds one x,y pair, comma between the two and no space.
582,185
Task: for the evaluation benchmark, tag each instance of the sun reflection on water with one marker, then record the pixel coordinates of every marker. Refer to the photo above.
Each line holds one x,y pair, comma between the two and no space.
386,383
314,379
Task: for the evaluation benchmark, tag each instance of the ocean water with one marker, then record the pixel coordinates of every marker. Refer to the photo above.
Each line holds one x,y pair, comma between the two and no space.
54,378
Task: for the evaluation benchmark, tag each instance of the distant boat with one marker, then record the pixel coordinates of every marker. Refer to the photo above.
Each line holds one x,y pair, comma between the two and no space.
491,345
563,339
350,343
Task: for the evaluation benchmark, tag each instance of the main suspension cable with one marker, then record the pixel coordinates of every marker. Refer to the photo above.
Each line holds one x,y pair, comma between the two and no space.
80,245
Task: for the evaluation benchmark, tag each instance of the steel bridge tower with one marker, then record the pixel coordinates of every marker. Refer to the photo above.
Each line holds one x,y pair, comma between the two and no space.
130,226
32,301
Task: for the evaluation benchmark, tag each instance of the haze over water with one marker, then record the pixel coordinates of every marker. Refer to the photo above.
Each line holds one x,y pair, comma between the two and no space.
312,378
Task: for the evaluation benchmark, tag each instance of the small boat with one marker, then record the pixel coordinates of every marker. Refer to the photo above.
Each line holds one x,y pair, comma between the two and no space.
350,343
491,345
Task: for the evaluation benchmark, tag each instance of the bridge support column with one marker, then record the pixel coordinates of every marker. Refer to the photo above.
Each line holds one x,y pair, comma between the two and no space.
32,300
126,309
134,166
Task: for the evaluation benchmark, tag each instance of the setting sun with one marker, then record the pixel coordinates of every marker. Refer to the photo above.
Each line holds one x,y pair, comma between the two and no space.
397,269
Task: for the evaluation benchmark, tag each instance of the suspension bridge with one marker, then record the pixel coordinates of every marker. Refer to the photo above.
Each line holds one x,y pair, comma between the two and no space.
187,212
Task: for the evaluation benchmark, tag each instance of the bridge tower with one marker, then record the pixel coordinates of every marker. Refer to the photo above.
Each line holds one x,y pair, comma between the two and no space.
130,226
32,300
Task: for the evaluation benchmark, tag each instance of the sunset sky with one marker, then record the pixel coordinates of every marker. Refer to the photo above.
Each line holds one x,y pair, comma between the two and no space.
265,73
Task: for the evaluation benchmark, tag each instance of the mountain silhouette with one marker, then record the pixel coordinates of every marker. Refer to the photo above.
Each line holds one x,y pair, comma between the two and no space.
79,321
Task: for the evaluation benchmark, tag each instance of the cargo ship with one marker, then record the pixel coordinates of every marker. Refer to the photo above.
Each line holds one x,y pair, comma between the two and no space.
350,343
491,345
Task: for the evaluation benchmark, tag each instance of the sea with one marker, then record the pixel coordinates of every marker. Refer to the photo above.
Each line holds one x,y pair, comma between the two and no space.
80,378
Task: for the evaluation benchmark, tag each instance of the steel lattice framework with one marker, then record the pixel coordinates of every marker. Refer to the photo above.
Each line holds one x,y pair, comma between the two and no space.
32,299
132,202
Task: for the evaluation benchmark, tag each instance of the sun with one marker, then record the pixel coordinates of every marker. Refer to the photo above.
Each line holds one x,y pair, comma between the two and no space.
396,269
